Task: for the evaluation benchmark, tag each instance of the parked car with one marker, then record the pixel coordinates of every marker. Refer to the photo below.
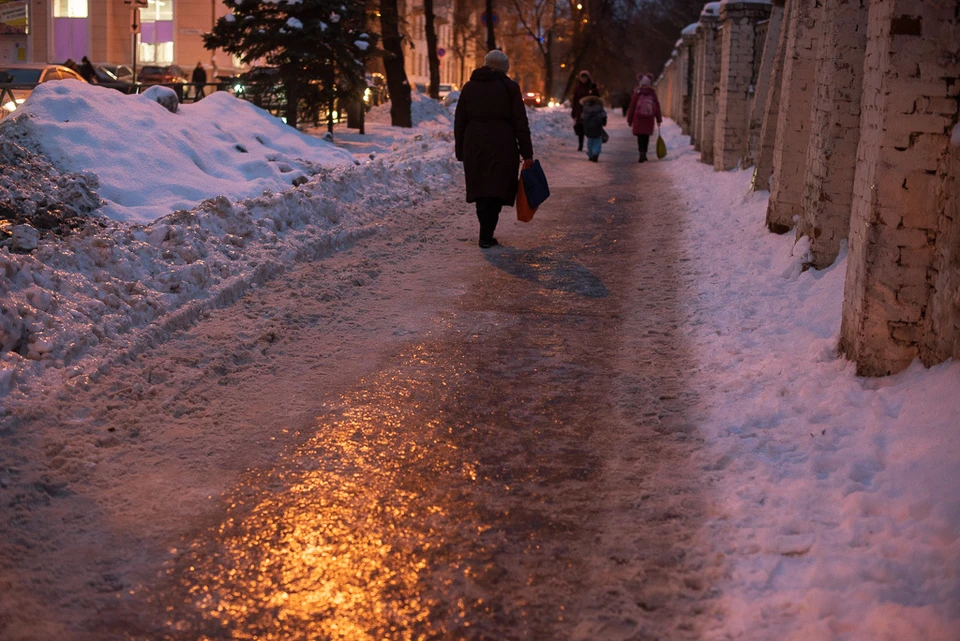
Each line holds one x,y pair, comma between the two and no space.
118,77
24,78
162,75
533,99
446,88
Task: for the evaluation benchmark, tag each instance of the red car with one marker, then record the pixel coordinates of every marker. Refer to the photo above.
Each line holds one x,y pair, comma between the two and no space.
533,99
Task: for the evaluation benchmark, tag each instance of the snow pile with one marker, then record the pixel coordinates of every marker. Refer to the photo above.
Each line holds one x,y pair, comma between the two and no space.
838,511
33,191
423,110
150,162
76,304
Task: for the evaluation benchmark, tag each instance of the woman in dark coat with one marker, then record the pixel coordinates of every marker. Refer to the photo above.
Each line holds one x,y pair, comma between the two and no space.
492,134
585,87
643,111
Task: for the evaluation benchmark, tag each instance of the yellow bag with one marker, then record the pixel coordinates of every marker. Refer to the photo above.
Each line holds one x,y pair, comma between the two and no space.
661,146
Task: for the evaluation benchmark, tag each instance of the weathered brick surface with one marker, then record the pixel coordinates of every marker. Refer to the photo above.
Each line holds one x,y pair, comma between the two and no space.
707,82
793,122
763,163
687,53
769,35
942,329
738,23
902,295
832,151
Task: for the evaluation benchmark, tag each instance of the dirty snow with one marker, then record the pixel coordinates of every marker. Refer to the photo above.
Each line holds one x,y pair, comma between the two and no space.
839,515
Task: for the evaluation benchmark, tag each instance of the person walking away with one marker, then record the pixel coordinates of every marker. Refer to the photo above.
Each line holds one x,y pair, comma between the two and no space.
584,87
625,101
491,134
643,112
594,120
86,69
199,80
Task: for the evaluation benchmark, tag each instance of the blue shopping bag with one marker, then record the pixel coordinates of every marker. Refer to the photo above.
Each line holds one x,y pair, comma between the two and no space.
535,186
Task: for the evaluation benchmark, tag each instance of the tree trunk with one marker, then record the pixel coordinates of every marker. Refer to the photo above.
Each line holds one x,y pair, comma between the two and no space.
292,90
491,39
432,56
397,82
548,67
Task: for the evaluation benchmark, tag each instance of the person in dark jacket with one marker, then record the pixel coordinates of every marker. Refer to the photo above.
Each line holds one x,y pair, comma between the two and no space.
644,110
594,120
491,134
86,69
585,87
199,80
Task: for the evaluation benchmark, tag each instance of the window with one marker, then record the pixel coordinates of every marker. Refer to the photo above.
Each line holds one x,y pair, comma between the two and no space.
156,32
70,9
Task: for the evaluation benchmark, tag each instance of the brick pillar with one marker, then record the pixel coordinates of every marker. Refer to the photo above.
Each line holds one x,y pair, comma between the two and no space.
688,38
793,123
758,103
708,78
763,165
905,195
832,151
942,335
738,49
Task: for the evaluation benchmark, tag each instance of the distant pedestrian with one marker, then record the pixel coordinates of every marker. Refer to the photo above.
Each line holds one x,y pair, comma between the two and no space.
643,112
625,101
594,120
584,87
86,69
491,133
199,80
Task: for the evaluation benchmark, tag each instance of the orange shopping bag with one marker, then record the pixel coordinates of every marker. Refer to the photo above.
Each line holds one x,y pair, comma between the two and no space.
524,211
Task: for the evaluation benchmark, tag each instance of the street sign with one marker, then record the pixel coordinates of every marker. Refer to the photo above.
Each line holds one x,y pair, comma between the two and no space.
441,52
483,18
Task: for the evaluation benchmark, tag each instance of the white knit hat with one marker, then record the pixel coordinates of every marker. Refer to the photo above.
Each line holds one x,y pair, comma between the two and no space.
498,60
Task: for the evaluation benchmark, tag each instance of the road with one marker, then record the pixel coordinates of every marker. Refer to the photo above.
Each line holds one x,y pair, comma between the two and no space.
411,439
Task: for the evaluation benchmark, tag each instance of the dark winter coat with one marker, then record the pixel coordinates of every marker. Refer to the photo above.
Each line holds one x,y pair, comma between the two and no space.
581,91
594,116
491,134
643,124
199,75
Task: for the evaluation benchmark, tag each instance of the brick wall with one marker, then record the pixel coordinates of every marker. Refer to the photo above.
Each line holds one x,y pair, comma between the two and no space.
900,300
763,162
758,103
832,152
737,58
707,85
793,122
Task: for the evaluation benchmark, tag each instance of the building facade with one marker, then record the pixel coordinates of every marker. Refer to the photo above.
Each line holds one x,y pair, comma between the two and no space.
158,32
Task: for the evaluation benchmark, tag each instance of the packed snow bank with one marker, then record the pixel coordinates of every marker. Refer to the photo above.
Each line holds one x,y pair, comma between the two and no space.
150,162
840,515
79,302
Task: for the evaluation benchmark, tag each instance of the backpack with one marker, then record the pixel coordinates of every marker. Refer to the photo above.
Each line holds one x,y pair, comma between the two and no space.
646,105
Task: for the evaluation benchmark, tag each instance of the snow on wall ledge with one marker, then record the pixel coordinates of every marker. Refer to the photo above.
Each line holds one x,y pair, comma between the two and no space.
74,304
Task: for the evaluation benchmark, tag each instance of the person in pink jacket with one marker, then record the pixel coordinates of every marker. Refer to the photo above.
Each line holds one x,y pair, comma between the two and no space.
643,112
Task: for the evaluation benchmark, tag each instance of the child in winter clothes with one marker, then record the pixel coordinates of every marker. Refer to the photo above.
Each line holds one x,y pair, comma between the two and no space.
594,119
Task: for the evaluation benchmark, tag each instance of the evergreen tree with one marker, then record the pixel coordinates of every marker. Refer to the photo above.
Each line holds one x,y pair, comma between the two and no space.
317,46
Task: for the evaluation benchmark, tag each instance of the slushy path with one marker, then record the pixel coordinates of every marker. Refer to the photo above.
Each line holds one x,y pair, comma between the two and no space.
521,471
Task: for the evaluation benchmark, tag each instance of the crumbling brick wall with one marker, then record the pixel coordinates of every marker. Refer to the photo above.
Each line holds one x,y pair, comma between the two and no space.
769,35
738,22
763,163
900,295
942,332
832,152
793,122
708,78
